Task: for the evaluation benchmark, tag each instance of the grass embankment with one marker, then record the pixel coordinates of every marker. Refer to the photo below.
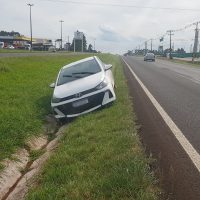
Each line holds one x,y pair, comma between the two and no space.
15,51
28,51
24,51
100,156
25,97
185,62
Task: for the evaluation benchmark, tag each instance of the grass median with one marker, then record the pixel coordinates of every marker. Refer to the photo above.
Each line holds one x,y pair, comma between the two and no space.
184,62
18,51
100,155
25,97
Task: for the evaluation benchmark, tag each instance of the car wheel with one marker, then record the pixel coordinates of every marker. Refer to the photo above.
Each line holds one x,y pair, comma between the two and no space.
61,121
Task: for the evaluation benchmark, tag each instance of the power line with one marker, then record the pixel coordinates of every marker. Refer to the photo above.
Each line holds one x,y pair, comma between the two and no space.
123,5
186,27
170,33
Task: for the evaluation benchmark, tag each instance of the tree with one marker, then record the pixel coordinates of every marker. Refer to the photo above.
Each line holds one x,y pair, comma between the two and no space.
90,48
166,51
180,50
130,53
78,45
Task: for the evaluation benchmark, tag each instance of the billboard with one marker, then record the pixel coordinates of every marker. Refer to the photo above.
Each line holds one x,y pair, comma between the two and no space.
78,35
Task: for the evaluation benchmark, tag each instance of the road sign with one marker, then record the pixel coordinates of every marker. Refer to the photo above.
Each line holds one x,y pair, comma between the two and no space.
78,35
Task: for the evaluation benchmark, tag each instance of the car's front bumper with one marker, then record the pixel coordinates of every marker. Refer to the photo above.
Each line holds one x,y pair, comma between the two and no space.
95,101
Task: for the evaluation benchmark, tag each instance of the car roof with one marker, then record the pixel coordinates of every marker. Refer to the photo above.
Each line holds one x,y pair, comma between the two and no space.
79,61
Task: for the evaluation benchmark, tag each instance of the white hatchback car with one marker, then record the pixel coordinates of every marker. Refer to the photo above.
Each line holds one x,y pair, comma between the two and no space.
82,87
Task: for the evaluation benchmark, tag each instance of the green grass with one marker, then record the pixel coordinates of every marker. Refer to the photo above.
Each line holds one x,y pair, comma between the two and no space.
189,63
185,62
100,156
27,51
35,154
14,51
20,51
25,97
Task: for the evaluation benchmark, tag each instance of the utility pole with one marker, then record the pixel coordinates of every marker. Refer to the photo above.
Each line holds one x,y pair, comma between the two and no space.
74,45
145,47
170,43
30,5
195,47
82,44
151,45
191,48
61,21
94,44
68,43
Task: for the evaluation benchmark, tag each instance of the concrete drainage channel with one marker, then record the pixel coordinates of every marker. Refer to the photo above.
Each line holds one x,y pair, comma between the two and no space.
18,174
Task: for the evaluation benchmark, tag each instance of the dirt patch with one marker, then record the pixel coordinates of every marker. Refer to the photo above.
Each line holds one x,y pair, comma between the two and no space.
27,179
19,172
37,143
13,171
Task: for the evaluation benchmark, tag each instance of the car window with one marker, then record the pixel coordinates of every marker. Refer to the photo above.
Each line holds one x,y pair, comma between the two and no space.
78,71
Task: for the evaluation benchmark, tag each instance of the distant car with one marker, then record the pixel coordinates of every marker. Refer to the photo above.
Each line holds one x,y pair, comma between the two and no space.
82,87
1,45
11,47
27,47
149,56
52,49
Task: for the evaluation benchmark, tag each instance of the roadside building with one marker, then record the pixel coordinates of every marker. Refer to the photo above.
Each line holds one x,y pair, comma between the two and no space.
23,42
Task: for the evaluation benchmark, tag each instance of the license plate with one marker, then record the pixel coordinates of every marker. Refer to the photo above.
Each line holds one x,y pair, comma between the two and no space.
80,103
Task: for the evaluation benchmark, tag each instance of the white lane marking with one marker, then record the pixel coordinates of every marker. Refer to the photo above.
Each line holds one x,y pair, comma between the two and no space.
187,146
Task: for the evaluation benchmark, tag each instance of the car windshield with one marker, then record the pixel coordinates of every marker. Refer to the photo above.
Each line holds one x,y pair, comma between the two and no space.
78,71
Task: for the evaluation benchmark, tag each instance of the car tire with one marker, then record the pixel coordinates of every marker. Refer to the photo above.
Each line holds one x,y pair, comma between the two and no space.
61,121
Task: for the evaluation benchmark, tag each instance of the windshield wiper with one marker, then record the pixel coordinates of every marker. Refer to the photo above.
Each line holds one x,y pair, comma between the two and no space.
67,75
72,76
83,73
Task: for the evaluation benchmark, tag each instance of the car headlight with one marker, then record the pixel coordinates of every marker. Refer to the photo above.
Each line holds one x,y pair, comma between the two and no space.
55,99
102,85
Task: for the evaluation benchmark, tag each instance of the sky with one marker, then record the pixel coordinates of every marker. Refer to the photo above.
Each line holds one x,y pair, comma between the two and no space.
115,25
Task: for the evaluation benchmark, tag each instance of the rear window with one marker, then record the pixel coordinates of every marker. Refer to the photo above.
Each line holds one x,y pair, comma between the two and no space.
78,71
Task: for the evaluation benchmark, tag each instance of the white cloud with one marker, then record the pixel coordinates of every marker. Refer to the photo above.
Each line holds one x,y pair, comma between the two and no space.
115,29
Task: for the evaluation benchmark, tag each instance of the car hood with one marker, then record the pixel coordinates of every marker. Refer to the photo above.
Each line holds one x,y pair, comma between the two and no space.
78,85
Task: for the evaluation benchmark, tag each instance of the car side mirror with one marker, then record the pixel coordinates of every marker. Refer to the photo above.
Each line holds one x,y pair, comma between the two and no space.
52,85
107,67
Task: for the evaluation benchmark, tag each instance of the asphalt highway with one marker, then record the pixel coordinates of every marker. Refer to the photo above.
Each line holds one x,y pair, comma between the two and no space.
176,87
